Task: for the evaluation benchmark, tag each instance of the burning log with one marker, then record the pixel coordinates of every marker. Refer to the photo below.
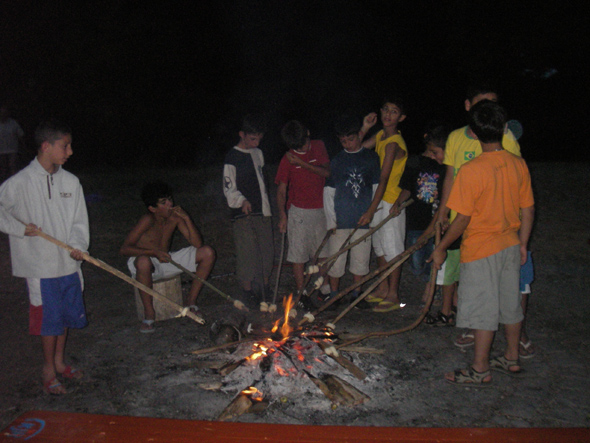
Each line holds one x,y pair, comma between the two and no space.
362,350
340,391
221,347
249,400
231,366
344,362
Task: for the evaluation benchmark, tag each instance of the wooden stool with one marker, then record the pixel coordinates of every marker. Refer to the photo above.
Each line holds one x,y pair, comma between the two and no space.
170,288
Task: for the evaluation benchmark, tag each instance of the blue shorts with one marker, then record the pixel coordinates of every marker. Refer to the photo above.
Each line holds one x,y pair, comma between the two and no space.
527,275
55,304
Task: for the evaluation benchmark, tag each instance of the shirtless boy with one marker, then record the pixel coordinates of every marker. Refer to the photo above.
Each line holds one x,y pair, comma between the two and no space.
148,246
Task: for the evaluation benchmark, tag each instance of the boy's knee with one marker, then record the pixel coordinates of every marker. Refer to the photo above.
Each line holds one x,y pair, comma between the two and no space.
205,253
143,264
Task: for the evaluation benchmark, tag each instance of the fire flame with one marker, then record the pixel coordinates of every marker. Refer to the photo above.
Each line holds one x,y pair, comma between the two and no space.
260,350
288,303
253,393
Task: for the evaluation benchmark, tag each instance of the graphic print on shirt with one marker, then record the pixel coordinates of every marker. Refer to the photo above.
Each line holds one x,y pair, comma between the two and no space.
355,182
426,189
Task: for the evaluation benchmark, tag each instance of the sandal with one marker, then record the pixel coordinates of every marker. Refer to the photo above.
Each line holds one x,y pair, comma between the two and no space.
465,340
72,373
147,327
503,365
470,377
526,350
373,299
440,319
53,387
387,306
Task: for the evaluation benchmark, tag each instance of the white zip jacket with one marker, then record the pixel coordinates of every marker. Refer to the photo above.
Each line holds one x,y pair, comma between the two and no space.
53,202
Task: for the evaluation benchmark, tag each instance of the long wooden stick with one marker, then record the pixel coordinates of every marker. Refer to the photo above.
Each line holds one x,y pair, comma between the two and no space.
367,234
425,309
125,277
394,262
313,262
402,258
238,304
332,263
274,297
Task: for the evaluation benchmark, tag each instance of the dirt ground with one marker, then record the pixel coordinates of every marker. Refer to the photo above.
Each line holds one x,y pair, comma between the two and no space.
155,375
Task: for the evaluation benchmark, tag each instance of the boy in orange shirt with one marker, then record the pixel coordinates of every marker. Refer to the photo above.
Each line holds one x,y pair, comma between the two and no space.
493,198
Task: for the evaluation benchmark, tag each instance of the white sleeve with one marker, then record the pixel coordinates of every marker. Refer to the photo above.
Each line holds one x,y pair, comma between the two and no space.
230,189
329,207
8,223
79,237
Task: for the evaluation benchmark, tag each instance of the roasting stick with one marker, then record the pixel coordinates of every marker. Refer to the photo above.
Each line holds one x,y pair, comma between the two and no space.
425,309
320,281
313,262
184,312
237,303
405,255
360,239
273,306
394,263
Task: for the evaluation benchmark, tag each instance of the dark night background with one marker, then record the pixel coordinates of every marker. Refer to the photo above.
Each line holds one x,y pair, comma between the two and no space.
166,83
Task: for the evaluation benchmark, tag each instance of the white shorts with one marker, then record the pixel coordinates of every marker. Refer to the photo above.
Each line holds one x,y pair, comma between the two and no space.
185,257
359,255
389,239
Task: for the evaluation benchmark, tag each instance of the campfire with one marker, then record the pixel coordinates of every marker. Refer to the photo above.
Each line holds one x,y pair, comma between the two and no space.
288,361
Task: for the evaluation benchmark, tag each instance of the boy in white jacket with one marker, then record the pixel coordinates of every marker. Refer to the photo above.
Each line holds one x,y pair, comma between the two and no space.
45,197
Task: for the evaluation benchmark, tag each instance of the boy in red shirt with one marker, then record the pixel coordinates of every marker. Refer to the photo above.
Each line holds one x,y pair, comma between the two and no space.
300,178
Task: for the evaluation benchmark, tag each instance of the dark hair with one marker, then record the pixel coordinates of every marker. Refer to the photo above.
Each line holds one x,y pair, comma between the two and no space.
154,191
436,133
484,87
347,125
396,100
294,134
487,120
253,124
50,131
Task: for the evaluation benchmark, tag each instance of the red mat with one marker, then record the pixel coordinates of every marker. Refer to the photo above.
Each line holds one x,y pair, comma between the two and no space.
46,426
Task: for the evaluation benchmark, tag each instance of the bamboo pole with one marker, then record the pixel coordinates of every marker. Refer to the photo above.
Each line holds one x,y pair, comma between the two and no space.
367,234
99,263
425,309
237,303
313,262
274,297
398,259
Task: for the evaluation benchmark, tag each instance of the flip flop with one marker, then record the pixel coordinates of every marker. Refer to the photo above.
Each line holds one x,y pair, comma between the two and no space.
53,387
373,299
147,327
524,351
468,336
386,306
72,373
469,377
